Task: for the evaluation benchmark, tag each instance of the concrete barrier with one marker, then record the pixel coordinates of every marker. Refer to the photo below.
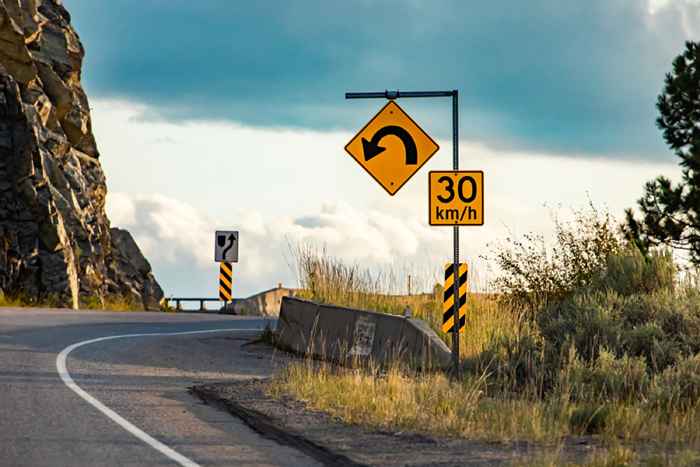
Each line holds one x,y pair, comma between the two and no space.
342,334
266,303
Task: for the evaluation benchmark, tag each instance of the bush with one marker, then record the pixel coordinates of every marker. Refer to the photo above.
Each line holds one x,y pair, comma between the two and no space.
585,322
589,419
534,275
678,387
628,272
609,378
513,363
625,316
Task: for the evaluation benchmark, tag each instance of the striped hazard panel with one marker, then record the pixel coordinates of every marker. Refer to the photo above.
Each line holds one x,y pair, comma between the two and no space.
449,297
225,282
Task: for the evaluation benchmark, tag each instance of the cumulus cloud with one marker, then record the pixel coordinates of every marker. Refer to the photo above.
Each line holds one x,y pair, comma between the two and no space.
168,231
178,239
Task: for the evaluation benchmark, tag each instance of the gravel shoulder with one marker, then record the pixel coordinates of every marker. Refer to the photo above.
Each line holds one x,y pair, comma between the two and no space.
333,442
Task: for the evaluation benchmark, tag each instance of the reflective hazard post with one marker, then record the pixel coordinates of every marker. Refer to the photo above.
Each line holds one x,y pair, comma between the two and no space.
225,253
225,282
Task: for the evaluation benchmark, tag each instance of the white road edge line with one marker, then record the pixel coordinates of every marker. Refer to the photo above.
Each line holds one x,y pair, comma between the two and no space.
114,416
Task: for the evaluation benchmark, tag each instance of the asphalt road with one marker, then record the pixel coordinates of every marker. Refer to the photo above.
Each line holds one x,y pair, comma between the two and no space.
134,408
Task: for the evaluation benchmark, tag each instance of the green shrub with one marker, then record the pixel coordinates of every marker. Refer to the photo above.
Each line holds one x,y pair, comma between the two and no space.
591,291
628,272
587,322
646,341
514,364
589,419
534,275
678,387
609,378
638,309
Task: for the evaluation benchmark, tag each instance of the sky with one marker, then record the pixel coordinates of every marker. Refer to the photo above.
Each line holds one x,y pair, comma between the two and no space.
224,114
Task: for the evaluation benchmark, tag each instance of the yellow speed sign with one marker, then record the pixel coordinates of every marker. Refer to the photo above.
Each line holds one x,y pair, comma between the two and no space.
456,197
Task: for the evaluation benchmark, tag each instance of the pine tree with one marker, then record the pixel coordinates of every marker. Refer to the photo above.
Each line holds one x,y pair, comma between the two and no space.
671,213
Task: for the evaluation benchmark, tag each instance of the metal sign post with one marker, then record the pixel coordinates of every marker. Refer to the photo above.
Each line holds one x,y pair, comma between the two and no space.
391,95
455,239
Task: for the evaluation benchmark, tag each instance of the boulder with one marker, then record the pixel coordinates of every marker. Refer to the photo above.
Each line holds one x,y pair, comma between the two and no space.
134,279
56,242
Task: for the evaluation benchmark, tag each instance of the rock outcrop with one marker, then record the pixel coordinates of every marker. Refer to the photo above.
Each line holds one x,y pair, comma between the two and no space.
56,244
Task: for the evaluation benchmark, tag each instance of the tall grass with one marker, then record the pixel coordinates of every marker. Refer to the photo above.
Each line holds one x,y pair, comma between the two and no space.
111,303
22,300
326,279
397,400
616,455
586,336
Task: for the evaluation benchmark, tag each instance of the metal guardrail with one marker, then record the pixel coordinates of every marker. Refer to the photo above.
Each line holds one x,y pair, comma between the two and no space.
178,302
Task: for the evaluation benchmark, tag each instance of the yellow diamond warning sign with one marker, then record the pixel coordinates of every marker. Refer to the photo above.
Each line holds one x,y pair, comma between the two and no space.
391,147
456,197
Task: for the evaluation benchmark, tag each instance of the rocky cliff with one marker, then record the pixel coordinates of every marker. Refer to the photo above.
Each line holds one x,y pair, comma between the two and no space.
56,244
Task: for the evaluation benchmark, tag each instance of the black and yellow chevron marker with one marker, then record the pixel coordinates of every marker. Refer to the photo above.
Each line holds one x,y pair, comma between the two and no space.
225,281
449,298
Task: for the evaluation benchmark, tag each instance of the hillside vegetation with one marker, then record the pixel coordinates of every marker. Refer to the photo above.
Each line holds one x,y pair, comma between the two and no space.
587,336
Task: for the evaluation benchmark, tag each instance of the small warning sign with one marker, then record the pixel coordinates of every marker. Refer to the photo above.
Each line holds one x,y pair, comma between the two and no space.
391,147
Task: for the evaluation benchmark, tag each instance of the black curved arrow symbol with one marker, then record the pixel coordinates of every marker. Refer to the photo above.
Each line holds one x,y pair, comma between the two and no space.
231,239
372,148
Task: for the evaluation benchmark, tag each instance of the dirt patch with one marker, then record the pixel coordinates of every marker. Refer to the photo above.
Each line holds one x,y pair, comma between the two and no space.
336,443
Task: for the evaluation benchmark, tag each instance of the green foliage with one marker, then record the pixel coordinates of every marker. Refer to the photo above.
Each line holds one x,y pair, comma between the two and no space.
603,323
515,364
610,325
589,419
585,322
22,300
10,301
678,386
535,275
670,213
607,379
91,302
110,303
589,336
630,272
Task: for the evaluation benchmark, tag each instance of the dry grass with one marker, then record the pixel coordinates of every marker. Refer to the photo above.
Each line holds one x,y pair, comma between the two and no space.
423,403
432,404
11,302
614,456
112,303
86,303
24,301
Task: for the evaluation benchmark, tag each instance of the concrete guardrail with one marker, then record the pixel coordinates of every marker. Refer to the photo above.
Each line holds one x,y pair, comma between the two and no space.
342,334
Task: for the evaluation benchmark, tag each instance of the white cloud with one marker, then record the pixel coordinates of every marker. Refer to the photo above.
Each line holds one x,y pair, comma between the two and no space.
178,239
687,10
173,184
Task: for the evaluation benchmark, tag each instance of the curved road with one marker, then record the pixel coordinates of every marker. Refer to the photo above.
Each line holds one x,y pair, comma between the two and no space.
139,382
